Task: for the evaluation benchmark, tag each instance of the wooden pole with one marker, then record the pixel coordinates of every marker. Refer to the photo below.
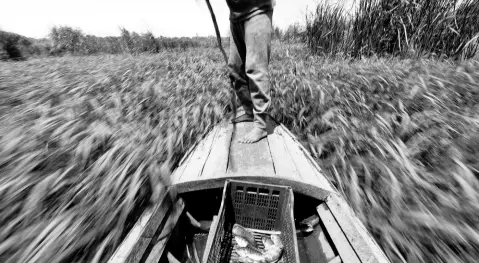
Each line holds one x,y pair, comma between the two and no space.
218,38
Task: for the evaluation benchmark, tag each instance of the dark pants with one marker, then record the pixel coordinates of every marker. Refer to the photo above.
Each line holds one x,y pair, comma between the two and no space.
250,48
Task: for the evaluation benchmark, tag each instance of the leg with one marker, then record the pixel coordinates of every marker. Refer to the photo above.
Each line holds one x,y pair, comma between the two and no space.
236,65
258,32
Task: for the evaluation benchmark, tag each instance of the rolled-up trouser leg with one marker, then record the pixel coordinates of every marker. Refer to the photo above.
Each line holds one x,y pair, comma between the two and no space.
236,64
258,30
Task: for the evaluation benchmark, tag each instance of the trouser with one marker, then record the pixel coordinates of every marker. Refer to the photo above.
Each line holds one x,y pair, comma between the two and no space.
250,48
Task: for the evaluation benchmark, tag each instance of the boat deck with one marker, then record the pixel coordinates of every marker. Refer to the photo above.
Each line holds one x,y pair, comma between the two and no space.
279,159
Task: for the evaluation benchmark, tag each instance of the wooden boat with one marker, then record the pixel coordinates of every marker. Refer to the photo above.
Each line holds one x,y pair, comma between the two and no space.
164,233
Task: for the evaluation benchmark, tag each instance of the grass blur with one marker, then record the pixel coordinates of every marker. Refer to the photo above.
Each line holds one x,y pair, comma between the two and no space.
87,143
399,139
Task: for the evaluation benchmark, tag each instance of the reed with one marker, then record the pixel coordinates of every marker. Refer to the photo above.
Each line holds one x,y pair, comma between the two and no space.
443,28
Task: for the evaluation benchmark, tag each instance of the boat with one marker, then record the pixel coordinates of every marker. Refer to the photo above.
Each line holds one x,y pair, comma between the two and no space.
180,228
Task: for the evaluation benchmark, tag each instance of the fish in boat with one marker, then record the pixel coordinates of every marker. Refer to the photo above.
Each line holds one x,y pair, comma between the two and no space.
273,248
239,231
277,240
250,254
267,242
242,241
272,251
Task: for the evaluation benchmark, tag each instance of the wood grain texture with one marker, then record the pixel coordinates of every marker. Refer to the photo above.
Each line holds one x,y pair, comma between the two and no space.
336,260
159,243
183,164
340,241
133,237
283,163
217,161
159,213
319,248
138,250
131,250
304,162
249,159
199,157
306,171
363,243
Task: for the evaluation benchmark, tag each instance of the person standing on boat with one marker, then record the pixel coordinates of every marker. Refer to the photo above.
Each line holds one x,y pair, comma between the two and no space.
250,47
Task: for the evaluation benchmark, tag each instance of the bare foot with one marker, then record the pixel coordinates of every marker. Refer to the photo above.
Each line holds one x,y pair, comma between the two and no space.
243,118
254,135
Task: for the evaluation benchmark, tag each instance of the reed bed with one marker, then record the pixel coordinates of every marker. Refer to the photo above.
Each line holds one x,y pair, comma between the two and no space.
442,28
86,143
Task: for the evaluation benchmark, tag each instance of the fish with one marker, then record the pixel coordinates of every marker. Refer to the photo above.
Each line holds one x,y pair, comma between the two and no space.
277,240
241,241
267,242
273,254
238,230
250,254
273,248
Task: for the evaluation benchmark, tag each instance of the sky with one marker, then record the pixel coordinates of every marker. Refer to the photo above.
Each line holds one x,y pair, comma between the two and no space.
170,18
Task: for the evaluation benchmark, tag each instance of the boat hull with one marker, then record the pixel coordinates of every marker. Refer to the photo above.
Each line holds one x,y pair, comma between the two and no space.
278,159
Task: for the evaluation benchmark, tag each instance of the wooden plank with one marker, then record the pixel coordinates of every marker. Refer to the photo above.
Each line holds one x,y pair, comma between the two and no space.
306,169
340,241
159,213
133,237
199,156
326,246
138,239
283,164
363,243
317,245
218,159
175,176
138,250
249,159
336,260
159,245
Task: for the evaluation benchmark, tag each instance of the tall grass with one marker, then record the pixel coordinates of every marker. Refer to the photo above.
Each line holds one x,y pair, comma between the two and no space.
447,28
87,142
399,138
327,28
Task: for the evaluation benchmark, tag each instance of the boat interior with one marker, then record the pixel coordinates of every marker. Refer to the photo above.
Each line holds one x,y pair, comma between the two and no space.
187,242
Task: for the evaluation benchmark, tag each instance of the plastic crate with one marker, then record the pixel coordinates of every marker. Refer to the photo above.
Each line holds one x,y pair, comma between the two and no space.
261,208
